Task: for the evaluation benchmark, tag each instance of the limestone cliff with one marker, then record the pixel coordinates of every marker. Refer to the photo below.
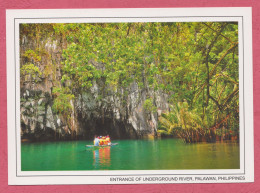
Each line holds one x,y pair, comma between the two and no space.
120,117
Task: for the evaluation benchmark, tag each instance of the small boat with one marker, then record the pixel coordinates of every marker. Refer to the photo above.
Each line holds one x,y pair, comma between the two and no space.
100,146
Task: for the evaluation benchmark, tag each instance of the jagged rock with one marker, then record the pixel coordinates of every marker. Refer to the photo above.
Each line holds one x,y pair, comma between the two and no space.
27,104
40,101
50,119
40,119
120,117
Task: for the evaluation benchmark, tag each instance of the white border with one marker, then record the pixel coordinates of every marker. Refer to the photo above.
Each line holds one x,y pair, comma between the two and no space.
241,15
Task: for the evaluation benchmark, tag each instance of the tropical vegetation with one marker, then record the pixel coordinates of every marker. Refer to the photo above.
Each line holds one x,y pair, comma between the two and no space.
194,63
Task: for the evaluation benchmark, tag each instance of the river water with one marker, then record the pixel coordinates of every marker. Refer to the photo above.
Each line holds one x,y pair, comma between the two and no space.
163,154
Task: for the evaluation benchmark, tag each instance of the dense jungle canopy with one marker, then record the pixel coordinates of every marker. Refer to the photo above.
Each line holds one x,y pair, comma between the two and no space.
194,64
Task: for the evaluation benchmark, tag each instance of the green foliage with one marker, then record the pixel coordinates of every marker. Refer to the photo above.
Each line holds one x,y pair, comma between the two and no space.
32,55
62,101
30,70
168,123
197,62
194,62
181,118
149,106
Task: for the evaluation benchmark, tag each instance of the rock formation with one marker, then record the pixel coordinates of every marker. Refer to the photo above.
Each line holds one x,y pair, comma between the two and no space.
120,117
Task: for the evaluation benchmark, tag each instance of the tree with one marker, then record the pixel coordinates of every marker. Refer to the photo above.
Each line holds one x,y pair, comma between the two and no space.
194,63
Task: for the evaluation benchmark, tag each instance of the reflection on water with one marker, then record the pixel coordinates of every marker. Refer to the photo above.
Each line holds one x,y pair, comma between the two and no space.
162,154
101,157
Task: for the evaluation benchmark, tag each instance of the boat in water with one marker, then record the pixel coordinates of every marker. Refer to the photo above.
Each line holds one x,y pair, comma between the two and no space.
101,146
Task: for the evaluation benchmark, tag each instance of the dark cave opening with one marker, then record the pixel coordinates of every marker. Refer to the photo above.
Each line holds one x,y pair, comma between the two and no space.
116,129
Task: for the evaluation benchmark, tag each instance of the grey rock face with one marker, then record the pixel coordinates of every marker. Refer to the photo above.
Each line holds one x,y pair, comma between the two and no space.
121,117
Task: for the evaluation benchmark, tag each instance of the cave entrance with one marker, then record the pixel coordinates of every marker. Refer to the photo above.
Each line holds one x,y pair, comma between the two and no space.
114,128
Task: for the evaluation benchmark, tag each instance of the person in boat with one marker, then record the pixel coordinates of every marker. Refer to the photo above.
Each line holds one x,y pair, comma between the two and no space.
104,140
101,141
96,141
108,140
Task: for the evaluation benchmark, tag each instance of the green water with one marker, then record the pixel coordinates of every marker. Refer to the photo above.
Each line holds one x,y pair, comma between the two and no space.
162,154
